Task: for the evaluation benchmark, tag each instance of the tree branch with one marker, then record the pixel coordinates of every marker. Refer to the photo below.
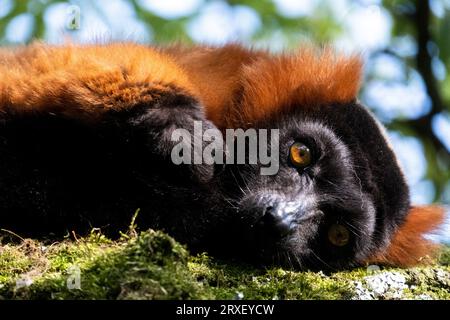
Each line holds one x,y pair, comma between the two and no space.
423,125
423,57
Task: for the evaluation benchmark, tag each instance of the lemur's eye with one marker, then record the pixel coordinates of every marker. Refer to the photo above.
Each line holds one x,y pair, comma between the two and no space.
338,235
299,155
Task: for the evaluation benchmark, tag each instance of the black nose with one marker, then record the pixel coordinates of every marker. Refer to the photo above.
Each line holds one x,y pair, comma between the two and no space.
277,222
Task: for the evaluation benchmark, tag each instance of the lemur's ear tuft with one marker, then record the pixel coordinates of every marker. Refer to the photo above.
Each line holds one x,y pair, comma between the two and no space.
409,246
310,78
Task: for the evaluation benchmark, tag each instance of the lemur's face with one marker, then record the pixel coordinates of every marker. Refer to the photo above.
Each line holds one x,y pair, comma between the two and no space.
329,204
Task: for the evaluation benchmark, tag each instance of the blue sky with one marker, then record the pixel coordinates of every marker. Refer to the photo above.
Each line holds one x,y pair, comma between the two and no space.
366,27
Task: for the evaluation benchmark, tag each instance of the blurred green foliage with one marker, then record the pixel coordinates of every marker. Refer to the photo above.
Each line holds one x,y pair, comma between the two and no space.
414,20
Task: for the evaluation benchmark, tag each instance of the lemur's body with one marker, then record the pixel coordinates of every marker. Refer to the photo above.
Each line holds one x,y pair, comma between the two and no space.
85,138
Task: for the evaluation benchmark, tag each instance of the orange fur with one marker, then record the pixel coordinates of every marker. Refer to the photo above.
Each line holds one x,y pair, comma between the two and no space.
237,86
309,78
84,81
216,73
408,246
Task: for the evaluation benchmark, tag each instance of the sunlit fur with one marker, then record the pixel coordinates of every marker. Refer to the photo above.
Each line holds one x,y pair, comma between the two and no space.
84,82
408,247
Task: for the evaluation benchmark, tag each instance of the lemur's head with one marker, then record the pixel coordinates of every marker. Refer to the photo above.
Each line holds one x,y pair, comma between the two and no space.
339,195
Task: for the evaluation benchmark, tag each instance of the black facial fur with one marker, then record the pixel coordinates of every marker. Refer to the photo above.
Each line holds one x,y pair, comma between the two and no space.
353,181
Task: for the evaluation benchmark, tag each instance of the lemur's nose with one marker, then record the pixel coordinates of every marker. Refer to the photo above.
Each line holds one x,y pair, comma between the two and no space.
279,220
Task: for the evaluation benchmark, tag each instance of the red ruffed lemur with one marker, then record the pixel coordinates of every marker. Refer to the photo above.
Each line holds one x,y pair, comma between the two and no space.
86,140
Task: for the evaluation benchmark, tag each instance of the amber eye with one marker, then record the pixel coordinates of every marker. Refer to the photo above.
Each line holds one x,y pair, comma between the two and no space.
338,235
299,155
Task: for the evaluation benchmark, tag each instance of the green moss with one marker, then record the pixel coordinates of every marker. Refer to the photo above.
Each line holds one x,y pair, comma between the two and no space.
149,266
231,280
12,263
444,257
152,265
